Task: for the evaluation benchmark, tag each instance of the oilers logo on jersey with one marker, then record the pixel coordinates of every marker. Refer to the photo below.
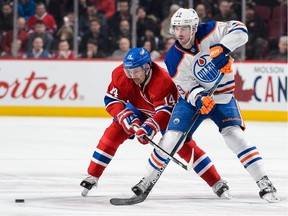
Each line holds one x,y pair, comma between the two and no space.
204,70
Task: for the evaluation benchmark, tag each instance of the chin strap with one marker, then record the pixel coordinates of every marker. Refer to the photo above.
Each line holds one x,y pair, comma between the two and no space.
191,37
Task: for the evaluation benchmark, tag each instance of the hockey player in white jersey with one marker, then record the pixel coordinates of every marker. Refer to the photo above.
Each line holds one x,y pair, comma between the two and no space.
195,61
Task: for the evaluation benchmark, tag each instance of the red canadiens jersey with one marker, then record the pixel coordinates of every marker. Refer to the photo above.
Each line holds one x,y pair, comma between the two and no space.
48,20
155,98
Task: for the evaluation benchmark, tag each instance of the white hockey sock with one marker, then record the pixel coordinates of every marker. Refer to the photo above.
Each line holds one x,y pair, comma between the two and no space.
246,153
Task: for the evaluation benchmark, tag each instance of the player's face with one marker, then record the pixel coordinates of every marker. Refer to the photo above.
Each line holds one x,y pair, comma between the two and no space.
137,74
182,34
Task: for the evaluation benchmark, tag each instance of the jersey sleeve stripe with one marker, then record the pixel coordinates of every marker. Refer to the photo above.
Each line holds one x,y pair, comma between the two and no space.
108,100
224,90
211,32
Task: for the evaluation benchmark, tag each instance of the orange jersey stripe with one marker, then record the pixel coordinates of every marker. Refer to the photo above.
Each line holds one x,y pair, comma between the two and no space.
224,90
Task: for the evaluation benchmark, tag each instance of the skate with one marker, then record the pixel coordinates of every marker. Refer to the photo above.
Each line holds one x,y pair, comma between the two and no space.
141,187
221,189
267,190
88,183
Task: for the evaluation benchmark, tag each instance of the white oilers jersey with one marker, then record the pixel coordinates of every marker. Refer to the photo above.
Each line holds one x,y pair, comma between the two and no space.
186,67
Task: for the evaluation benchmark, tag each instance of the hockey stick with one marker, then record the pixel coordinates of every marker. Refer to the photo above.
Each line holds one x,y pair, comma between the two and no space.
141,198
187,167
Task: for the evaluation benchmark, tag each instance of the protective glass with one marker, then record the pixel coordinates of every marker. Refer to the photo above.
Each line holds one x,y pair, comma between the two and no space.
134,72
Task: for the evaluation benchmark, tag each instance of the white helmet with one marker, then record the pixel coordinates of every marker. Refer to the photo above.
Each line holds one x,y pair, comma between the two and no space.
185,17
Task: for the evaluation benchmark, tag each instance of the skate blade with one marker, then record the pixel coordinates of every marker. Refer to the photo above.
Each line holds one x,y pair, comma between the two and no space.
226,195
85,192
271,197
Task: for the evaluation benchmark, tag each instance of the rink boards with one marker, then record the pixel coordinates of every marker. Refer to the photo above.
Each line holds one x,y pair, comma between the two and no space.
77,88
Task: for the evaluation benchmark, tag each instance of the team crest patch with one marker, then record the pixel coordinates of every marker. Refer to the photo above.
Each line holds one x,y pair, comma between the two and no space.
204,70
142,52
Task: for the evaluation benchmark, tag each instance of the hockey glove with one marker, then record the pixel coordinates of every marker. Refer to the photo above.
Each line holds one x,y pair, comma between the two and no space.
219,55
149,129
228,67
127,119
204,103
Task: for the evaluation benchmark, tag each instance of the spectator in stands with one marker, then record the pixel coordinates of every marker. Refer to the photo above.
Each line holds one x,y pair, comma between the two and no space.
225,12
68,6
9,54
168,43
113,38
26,8
106,6
55,8
165,24
148,45
22,36
40,31
125,30
37,50
41,14
124,46
6,19
166,4
202,13
66,31
123,13
91,13
63,51
143,23
94,32
154,8
257,30
150,35
92,50
280,53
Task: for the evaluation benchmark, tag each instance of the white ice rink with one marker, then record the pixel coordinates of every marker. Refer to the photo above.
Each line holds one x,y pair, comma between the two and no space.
43,160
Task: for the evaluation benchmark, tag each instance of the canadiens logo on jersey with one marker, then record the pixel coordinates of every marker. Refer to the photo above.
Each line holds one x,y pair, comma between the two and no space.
204,70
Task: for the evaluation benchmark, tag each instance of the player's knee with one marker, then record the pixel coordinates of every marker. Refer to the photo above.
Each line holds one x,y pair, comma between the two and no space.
107,144
170,139
234,138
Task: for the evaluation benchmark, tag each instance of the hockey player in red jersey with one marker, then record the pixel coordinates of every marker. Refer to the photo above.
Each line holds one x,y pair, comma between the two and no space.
141,94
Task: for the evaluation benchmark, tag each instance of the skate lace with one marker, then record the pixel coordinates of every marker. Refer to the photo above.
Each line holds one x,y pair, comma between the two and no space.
265,184
219,185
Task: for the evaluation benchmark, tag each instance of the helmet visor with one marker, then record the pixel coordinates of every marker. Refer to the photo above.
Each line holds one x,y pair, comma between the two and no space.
133,72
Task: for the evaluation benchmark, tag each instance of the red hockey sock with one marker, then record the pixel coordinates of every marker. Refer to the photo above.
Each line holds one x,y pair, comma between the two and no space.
203,166
104,152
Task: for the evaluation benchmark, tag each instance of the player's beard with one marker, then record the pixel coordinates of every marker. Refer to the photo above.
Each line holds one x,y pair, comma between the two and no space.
137,81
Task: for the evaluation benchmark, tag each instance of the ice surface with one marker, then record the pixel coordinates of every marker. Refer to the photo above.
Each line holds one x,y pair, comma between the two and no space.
43,160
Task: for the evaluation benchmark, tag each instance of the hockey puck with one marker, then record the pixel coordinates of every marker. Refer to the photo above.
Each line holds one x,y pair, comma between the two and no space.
19,200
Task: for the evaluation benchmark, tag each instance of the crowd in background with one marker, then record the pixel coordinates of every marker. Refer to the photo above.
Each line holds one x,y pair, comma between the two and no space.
46,27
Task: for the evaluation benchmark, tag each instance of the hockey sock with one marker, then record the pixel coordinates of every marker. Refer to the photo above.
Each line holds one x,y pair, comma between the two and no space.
112,138
204,167
202,164
247,154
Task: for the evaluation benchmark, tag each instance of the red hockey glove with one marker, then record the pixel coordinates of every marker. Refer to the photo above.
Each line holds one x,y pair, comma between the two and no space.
204,102
127,119
149,129
218,53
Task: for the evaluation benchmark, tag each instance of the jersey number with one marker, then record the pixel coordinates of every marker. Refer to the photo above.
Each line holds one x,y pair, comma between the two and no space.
170,101
114,92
